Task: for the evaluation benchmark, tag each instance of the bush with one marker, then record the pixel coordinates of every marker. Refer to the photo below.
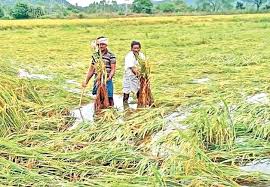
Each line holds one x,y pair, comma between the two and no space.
142,6
121,13
35,12
239,5
267,7
166,7
2,14
73,10
20,11
81,16
173,6
60,16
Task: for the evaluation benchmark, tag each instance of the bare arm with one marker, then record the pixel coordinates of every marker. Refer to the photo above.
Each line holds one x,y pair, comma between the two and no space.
113,68
135,71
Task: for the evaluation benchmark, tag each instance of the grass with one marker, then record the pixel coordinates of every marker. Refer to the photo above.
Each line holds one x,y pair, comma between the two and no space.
224,130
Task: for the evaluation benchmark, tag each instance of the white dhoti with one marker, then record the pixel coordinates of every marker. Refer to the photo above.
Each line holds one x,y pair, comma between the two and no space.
131,83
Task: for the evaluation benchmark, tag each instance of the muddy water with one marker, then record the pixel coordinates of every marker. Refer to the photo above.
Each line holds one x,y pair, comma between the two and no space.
260,98
22,73
201,81
82,114
172,123
261,166
86,112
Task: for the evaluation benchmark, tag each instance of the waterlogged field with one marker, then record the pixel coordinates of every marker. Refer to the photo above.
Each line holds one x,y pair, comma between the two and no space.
210,126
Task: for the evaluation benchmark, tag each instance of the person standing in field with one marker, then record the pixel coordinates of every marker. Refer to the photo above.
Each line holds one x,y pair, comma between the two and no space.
109,60
131,82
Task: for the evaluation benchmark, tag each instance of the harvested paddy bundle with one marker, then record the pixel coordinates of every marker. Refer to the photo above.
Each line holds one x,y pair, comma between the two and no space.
102,99
145,95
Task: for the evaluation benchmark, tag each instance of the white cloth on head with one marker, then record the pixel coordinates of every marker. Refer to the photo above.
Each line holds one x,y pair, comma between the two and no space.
103,41
131,83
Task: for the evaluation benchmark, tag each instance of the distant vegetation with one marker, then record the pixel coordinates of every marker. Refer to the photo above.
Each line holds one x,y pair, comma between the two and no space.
210,126
11,9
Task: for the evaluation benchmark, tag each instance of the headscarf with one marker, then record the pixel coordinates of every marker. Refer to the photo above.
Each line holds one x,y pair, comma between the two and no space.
103,41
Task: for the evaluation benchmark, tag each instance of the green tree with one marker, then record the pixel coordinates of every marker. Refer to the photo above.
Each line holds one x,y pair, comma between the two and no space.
173,6
214,5
142,6
73,9
114,5
166,7
180,5
267,7
2,14
257,3
20,11
36,12
240,5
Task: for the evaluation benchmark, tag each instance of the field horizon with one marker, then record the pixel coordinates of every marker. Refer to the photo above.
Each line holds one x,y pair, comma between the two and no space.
209,127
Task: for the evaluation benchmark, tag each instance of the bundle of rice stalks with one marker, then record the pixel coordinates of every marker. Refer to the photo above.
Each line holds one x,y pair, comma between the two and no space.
107,115
102,100
145,96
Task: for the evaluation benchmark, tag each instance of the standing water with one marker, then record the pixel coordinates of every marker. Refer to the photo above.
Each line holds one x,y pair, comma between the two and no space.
86,112
262,166
25,74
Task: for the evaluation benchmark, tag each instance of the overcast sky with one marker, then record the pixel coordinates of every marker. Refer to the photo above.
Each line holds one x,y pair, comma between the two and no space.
87,2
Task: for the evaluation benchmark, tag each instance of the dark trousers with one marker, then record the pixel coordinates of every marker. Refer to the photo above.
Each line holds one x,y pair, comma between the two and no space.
126,97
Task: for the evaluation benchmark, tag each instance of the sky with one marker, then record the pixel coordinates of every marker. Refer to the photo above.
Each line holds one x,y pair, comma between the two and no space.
87,2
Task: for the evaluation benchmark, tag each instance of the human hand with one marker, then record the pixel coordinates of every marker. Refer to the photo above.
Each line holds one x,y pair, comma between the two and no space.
84,84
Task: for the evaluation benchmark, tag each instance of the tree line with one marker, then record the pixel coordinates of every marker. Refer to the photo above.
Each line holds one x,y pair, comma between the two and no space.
25,10
229,5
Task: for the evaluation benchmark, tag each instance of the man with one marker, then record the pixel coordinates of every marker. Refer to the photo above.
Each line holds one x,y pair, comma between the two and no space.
131,82
110,63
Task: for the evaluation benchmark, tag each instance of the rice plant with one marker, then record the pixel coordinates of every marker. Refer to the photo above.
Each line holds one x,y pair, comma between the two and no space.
215,127
101,100
36,149
145,95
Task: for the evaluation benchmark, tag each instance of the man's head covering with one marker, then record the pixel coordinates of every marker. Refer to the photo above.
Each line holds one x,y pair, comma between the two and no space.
102,40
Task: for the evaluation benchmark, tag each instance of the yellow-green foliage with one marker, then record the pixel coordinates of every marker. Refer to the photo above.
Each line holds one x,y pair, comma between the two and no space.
232,51
215,127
